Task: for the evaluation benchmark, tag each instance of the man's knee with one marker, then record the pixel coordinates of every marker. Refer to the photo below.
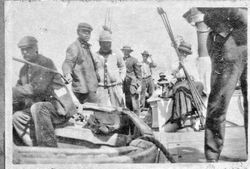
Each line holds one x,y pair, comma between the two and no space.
18,116
41,108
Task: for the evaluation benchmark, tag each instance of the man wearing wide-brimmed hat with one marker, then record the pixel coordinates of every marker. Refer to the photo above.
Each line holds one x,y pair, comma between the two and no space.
147,80
132,82
78,66
35,100
181,94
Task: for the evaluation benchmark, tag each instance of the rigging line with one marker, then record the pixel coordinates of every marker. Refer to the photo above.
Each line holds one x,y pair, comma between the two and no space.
169,30
171,35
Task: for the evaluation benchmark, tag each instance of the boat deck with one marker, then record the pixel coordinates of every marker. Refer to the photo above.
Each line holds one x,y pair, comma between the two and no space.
187,146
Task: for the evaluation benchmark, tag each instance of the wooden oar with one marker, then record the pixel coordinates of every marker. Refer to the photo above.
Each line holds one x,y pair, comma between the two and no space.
42,67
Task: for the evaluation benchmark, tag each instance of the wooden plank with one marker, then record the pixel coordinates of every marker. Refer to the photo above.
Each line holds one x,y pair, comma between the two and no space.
97,107
40,151
139,123
43,155
86,135
74,160
189,146
103,155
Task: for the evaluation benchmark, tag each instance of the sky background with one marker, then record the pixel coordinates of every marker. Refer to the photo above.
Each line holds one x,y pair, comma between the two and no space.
133,23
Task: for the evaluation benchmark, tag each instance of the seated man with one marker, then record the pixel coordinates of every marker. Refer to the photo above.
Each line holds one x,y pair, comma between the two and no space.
40,99
184,106
164,84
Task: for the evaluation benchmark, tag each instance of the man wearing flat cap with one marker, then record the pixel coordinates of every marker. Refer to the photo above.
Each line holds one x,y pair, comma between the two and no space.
37,107
147,80
79,68
132,82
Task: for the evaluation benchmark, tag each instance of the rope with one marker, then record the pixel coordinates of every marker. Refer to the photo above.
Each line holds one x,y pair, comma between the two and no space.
160,146
195,94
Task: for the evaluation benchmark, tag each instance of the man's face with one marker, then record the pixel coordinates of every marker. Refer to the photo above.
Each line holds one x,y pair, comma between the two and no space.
84,34
183,54
29,52
126,52
145,57
105,46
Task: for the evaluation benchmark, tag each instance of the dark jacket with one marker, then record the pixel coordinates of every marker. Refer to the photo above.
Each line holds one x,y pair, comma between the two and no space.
133,75
79,63
133,68
39,85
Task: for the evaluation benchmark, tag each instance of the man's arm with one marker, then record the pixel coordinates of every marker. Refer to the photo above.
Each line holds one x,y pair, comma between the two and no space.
137,69
70,60
122,67
152,64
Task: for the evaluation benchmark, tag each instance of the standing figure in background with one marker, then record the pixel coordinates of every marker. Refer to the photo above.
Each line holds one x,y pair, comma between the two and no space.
111,70
132,82
227,47
147,80
164,84
79,67
183,104
41,101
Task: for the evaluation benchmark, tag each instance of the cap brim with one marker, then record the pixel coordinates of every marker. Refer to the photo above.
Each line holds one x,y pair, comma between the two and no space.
185,50
131,50
143,54
87,29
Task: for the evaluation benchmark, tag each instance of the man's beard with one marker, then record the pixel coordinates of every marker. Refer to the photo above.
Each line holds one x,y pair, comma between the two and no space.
105,51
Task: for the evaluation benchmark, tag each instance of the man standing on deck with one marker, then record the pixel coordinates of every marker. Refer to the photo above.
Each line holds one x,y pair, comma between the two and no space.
132,82
79,68
227,48
37,99
147,80
112,71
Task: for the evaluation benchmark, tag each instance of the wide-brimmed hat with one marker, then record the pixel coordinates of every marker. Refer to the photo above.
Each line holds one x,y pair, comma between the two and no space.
27,41
185,47
162,74
128,48
145,53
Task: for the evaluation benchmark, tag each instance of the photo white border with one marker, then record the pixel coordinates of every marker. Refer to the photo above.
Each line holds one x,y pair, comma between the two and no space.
8,110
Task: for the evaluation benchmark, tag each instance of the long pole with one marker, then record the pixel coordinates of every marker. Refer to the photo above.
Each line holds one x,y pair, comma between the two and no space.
196,96
42,67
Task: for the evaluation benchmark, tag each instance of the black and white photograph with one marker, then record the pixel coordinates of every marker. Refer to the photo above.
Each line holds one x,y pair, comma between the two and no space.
126,83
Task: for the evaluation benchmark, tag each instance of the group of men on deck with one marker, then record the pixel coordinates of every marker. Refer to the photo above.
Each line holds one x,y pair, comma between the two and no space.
41,101
39,97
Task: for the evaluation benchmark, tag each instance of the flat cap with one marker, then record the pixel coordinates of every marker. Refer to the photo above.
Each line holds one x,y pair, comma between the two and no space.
84,26
27,41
